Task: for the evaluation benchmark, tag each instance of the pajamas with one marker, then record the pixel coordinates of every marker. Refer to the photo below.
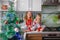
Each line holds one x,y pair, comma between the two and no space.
34,28
35,25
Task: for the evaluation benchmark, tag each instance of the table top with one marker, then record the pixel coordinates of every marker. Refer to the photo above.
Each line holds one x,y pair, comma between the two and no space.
34,32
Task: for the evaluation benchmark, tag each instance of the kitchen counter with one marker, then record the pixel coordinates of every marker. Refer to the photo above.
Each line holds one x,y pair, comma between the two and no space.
36,34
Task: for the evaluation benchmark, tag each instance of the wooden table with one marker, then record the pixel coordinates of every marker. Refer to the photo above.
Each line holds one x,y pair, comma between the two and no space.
38,35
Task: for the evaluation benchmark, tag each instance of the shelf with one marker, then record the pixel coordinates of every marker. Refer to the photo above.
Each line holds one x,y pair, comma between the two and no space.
51,2
4,0
4,10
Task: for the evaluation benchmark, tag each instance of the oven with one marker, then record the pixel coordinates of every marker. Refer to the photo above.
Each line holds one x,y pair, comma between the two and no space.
51,36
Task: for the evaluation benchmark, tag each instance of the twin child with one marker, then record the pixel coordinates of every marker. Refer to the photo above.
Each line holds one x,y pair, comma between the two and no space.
32,25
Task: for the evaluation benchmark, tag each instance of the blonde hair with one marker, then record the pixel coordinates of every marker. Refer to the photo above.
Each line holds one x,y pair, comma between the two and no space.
39,14
26,15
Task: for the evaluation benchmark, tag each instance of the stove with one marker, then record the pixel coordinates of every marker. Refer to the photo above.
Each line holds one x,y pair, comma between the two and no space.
53,33
51,29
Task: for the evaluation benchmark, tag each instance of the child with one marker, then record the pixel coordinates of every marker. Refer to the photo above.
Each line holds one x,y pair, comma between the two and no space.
37,23
28,21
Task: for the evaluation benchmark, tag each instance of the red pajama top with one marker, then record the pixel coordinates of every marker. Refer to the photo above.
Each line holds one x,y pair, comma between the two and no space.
29,23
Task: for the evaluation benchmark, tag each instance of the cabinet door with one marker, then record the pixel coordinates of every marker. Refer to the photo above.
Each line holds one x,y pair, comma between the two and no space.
29,5
36,5
22,5
34,37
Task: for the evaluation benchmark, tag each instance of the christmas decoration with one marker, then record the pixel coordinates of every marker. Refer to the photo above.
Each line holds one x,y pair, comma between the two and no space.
11,25
18,35
4,7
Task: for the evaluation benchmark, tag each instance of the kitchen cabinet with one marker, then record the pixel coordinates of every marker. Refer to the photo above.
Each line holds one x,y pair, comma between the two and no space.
36,5
51,35
29,5
51,2
34,37
5,4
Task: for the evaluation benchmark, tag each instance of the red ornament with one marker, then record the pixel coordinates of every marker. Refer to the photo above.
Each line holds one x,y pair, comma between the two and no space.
17,22
4,7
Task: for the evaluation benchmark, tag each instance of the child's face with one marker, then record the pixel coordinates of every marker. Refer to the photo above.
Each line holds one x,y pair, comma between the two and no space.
29,14
38,18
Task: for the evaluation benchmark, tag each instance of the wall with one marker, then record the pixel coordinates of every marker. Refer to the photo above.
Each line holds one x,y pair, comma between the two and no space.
29,5
58,8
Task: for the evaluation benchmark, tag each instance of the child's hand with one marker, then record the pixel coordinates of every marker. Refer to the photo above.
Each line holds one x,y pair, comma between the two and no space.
39,29
27,31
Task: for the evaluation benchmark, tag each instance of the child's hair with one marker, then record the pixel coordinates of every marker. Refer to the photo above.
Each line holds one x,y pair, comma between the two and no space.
39,14
26,15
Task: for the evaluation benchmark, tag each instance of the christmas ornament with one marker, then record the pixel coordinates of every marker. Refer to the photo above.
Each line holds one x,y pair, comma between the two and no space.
4,7
16,30
11,16
18,35
16,22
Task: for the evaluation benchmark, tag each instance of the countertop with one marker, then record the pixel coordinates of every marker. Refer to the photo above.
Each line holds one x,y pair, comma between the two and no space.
33,32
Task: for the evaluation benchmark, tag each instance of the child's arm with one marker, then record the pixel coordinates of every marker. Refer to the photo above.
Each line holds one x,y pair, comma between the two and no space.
33,28
26,30
41,28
